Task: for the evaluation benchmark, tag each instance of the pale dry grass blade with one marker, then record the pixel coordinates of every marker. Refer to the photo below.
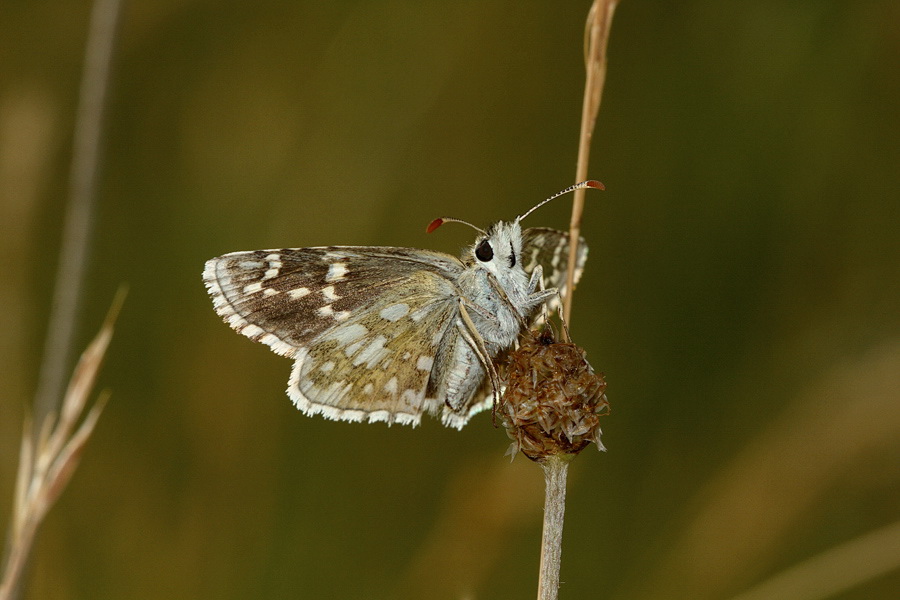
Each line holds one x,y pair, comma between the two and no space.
46,464
83,379
63,467
21,494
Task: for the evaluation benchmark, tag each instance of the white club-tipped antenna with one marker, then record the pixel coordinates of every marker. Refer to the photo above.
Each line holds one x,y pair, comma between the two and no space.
578,186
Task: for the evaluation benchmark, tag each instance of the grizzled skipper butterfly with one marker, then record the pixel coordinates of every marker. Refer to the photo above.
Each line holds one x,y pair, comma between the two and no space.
385,334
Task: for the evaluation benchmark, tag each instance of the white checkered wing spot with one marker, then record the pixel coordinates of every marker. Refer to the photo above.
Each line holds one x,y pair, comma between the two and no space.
362,324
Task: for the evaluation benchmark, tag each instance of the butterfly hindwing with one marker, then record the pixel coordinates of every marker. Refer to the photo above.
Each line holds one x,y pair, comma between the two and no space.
550,249
377,364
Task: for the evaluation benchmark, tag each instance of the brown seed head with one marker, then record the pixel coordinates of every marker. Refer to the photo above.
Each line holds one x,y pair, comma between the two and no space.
553,399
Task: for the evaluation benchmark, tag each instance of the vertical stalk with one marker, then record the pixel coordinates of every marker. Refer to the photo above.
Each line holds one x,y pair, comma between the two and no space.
555,469
596,33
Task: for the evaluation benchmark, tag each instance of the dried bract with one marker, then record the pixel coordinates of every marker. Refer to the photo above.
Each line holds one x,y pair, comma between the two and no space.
553,399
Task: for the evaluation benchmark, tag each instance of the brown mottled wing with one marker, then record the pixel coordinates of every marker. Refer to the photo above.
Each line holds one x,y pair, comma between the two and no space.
287,297
361,323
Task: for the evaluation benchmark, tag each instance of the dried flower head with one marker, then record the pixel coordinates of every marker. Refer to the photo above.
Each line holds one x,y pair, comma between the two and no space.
553,399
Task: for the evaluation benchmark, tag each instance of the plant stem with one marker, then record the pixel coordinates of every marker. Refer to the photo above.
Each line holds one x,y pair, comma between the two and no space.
555,470
596,32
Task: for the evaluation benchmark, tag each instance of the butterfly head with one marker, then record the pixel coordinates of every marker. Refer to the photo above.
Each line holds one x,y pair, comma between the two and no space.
499,249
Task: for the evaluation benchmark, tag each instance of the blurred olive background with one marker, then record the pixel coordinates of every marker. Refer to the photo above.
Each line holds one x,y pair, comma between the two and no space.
741,295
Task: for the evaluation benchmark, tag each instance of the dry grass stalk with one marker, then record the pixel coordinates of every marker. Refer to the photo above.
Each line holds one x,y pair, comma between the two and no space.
49,456
596,39
556,469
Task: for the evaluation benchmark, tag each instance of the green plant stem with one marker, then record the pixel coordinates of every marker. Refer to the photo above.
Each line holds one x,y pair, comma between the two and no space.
555,470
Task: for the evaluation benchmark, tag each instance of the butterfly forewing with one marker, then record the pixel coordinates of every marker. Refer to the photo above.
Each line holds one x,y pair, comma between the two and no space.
284,298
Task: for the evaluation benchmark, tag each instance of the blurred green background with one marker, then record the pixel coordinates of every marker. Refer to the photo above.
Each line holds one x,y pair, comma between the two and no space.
742,293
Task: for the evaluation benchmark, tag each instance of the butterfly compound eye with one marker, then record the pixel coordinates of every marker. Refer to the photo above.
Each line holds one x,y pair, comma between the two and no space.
484,252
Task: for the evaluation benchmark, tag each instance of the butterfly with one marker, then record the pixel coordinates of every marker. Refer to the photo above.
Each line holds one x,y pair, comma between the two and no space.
387,334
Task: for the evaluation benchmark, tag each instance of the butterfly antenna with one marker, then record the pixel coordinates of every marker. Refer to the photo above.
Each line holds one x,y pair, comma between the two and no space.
578,186
441,220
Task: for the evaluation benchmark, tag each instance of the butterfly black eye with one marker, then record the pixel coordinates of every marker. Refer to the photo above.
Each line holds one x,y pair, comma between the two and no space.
484,252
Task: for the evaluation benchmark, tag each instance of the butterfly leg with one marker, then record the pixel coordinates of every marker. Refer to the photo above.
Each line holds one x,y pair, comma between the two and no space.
474,339
536,293
537,283
537,280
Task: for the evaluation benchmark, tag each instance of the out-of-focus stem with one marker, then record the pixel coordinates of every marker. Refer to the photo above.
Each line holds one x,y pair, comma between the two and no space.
77,225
